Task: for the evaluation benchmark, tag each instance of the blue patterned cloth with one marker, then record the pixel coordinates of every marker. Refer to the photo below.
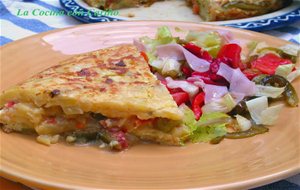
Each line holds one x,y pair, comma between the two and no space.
14,27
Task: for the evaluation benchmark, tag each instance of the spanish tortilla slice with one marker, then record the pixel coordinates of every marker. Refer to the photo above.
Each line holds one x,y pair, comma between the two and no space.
107,90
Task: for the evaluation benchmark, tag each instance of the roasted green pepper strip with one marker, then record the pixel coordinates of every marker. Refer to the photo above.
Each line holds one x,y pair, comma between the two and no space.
217,140
280,52
254,130
289,93
258,78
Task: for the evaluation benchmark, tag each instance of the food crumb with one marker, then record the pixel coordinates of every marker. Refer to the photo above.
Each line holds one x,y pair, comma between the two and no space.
103,145
130,15
47,139
70,139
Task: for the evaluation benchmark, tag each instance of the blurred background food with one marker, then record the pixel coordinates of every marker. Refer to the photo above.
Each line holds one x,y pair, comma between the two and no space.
208,10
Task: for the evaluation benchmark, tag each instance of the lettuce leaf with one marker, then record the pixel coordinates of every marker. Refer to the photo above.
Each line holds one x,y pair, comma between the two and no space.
189,118
208,119
163,36
293,75
261,113
269,91
207,133
163,33
209,126
284,70
166,67
210,41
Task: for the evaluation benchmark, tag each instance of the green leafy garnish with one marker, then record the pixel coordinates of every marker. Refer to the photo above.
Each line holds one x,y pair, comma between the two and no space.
209,126
210,41
207,133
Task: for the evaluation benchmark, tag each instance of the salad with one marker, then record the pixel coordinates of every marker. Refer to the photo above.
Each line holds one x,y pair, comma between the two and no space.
226,89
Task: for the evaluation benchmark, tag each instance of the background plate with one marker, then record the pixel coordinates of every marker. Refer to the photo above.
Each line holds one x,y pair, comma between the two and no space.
233,164
180,12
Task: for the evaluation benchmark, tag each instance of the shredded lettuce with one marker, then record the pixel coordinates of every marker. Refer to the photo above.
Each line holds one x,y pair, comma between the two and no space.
163,33
209,126
261,113
255,47
224,104
151,56
269,91
189,118
166,67
291,49
252,45
270,115
284,70
210,41
256,106
287,52
163,36
207,133
208,119
293,75
171,68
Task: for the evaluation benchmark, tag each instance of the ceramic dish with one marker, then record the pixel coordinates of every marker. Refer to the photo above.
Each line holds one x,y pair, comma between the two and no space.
180,12
233,164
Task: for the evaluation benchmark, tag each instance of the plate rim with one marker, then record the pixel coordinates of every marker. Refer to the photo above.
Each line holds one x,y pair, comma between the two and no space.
16,176
251,183
290,15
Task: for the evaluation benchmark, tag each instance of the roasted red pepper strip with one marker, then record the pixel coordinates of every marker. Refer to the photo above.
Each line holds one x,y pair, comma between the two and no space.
251,73
180,97
268,63
208,77
205,76
197,105
186,71
80,125
231,53
10,104
145,56
171,90
198,51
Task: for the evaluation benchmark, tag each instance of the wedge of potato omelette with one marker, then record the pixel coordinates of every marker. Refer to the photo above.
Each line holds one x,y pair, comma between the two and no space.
107,96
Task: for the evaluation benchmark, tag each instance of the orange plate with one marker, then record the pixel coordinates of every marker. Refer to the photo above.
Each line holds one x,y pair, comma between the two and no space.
233,164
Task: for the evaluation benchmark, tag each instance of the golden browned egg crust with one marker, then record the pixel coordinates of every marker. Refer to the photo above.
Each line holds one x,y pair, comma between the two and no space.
115,82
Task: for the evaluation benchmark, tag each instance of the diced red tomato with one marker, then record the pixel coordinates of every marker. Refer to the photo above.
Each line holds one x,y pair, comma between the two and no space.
145,56
180,97
10,104
268,63
121,138
198,51
231,53
197,104
51,120
80,125
251,73
196,8
186,71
